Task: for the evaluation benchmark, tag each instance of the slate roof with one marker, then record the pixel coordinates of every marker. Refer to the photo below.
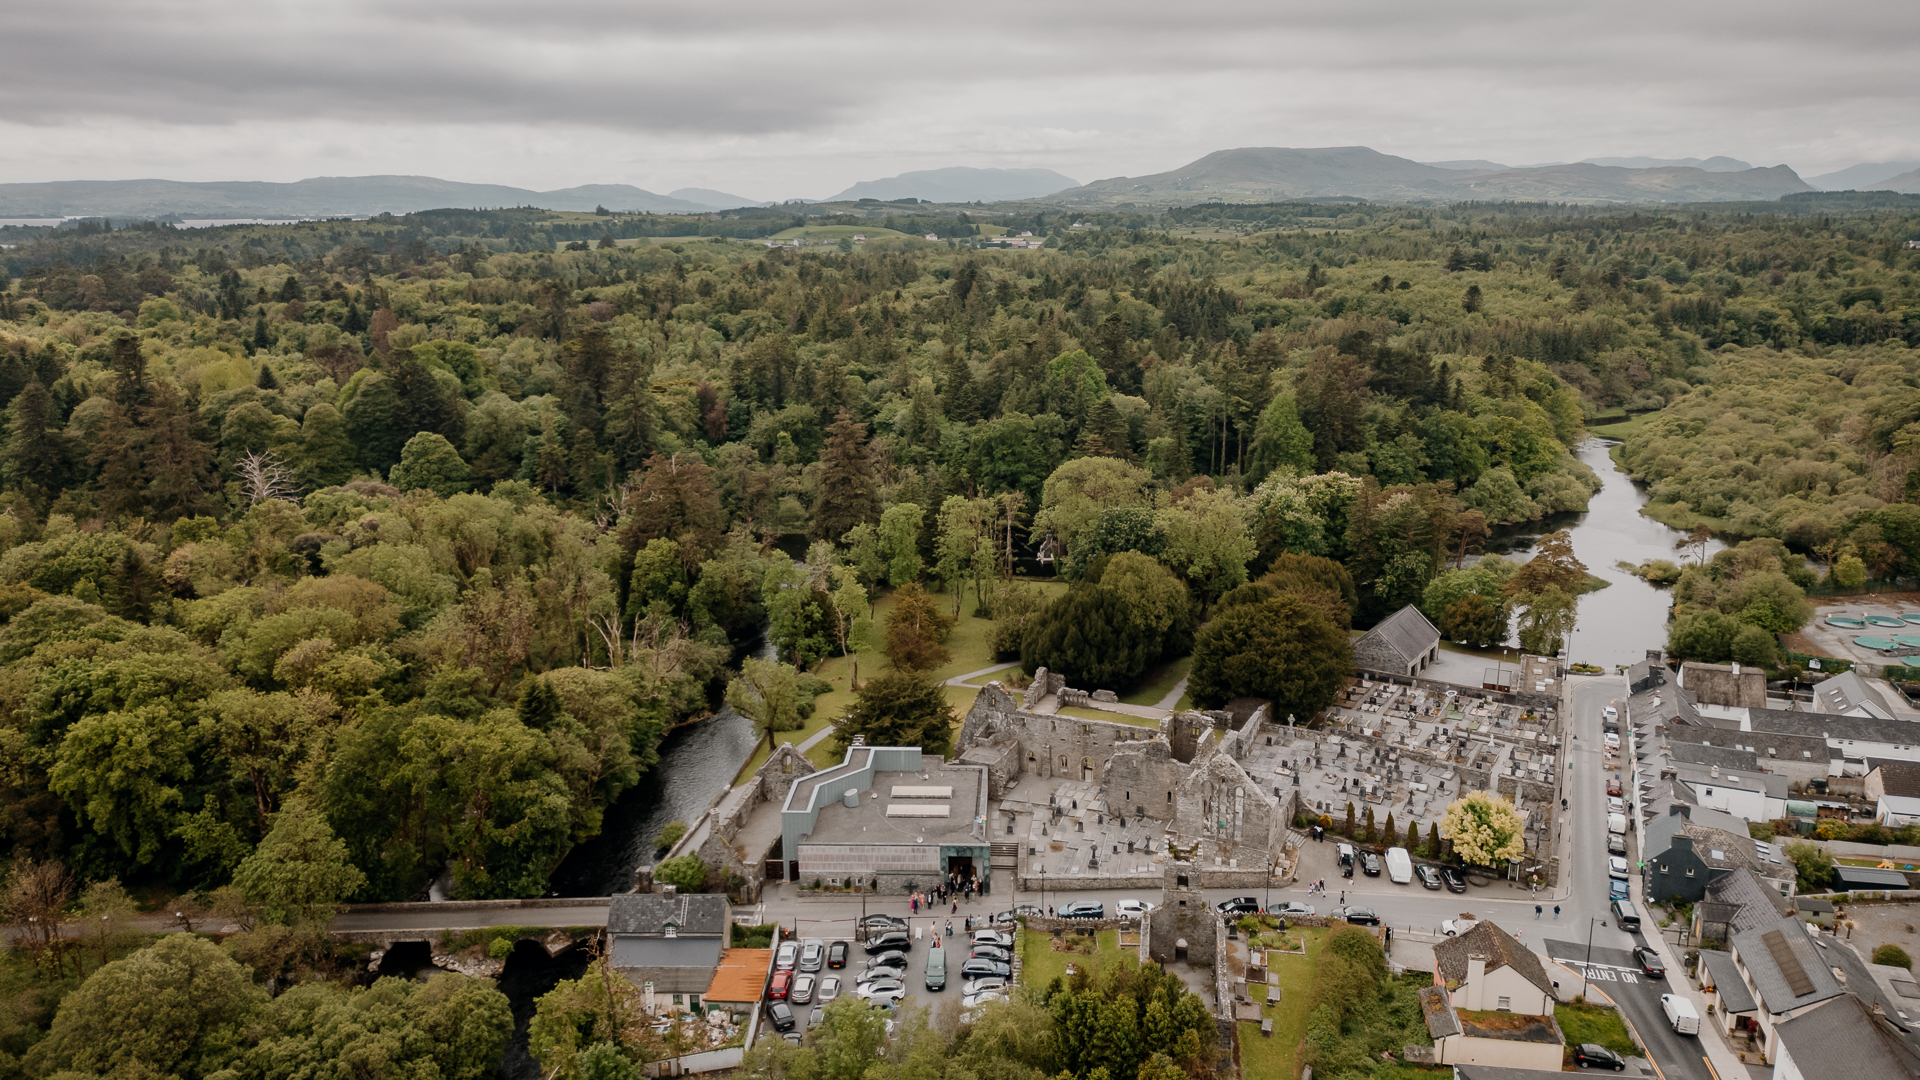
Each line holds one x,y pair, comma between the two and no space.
1707,755
1408,633
1437,1007
1710,831
1848,691
1900,778
1753,902
649,913
1774,785
1842,1039
1834,727
1495,1072
1726,981
1498,947
1769,982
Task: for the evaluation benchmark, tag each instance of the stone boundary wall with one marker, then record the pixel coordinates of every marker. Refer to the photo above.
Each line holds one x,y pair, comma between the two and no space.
1526,698
1210,878
474,905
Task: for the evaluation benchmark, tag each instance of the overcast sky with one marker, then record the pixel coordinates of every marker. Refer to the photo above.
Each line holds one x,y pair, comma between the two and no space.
775,99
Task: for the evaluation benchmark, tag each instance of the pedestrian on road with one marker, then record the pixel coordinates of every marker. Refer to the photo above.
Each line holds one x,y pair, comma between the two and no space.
955,911
1343,897
1536,911
1049,911
913,904
949,927
1556,912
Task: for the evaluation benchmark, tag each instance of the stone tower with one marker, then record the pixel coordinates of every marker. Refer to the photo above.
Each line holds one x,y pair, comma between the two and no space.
1183,928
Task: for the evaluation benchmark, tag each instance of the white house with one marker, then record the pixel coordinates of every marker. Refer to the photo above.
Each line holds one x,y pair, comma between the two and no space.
1894,787
1486,969
1842,1040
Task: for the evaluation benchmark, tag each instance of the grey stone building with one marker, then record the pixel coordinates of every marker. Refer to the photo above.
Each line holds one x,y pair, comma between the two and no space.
1403,644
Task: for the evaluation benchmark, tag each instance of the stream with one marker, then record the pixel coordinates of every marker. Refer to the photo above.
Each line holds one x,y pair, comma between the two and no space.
1617,624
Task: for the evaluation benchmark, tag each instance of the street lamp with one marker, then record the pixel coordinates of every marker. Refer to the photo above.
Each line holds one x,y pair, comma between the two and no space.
1586,969
1043,888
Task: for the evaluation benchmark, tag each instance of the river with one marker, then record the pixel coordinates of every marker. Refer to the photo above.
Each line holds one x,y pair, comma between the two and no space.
1617,624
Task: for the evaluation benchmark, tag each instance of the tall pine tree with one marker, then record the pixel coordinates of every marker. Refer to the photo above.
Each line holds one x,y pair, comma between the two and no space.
847,496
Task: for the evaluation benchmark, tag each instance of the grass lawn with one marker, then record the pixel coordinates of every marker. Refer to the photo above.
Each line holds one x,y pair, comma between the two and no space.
1110,717
1160,682
1040,965
1593,1024
1272,1058
1624,428
967,643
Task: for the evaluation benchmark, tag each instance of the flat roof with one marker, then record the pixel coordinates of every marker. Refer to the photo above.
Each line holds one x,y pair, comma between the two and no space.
741,976
881,820
922,791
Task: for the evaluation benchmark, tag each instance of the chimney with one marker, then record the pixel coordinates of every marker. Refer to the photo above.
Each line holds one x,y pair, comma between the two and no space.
1715,772
669,890
1476,979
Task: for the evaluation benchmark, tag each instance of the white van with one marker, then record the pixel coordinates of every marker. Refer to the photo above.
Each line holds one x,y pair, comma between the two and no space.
1399,866
1681,1014
1617,823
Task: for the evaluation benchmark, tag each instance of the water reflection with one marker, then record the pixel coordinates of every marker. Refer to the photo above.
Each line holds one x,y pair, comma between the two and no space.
1617,624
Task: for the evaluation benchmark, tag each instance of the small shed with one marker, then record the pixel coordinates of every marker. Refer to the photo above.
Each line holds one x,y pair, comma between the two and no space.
1867,877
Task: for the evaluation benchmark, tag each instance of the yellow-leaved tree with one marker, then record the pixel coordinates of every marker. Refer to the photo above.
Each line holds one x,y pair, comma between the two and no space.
1484,827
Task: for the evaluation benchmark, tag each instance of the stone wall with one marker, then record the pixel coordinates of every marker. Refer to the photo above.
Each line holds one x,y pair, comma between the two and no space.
1219,802
1184,916
712,836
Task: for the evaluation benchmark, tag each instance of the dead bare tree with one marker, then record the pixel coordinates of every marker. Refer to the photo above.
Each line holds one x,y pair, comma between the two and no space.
35,899
263,478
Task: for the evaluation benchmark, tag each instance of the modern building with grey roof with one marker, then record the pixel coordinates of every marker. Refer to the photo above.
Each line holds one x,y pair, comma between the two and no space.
1403,643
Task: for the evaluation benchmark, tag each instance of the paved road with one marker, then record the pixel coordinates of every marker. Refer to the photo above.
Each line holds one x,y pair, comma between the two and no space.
1613,972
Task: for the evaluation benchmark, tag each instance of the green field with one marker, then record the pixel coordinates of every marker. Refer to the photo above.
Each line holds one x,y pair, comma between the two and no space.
1040,964
841,232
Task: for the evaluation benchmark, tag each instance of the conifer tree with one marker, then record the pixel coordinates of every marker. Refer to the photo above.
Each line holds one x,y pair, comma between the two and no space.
177,459
847,495
35,460
326,455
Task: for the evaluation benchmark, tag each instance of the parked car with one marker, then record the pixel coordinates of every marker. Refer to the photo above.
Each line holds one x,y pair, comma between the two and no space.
1649,962
1616,866
1624,914
1290,907
1617,889
1428,876
968,1001
976,966
819,1013
1616,843
1017,912
1456,927
993,952
1612,738
837,954
1616,805
1370,864
782,982
813,953
1083,909
829,989
1345,854
892,958
1131,909
1593,1055
886,995
875,924
786,956
1358,916
936,972
993,937
1239,905
1456,881
985,982
1614,788
801,993
781,1016
888,941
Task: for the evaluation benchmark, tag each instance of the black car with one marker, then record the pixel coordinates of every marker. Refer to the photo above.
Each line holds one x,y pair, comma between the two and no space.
837,954
880,924
1428,876
1083,909
1358,916
1592,1055
781,1015
977,966
892,958
1649,962
1456,882
1370,864
1239,905
992,952
889,940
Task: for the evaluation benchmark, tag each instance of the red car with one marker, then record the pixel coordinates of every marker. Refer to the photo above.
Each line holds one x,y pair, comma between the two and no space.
782,982
1613,787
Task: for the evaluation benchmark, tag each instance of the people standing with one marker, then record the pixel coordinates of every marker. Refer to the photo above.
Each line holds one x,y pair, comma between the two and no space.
1536,911
1556,912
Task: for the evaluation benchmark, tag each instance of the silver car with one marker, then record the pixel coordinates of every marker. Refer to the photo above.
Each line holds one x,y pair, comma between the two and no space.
813,954
802,991
829,989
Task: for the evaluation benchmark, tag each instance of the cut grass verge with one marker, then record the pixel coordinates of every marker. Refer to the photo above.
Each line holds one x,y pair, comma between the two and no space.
1040,964
1160,682
1594,1024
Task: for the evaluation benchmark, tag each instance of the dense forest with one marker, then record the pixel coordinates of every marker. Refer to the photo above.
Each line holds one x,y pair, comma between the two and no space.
338,555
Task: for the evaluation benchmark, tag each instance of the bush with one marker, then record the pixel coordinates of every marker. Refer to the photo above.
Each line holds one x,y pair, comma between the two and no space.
686,873
501,948
1892,956
670,835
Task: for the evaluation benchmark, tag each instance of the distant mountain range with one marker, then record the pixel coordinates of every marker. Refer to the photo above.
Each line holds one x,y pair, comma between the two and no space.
719,200
1871,176
1258,174
961,184
1712,164
325,196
